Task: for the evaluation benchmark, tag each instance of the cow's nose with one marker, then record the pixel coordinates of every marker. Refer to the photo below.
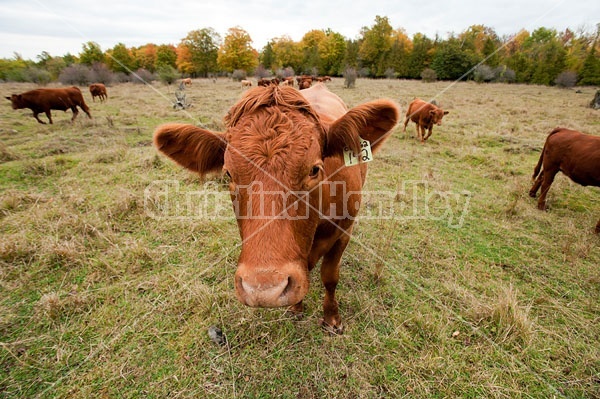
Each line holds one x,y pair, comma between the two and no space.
268,288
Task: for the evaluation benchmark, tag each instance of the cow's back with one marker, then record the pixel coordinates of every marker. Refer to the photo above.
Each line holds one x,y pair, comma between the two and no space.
327,104
576,154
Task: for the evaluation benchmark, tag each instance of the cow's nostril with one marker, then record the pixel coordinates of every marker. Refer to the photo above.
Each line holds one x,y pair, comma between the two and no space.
289,286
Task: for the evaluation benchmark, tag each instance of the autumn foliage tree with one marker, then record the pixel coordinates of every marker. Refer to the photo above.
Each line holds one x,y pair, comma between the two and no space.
236,52
198,51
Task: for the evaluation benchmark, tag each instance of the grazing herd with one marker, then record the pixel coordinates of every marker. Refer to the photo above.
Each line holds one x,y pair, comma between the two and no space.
294,197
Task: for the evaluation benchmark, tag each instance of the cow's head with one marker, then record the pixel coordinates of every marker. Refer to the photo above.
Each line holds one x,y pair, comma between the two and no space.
437,114
15,100
274,152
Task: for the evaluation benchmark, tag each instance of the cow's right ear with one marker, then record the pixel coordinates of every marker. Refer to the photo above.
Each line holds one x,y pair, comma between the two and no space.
196,149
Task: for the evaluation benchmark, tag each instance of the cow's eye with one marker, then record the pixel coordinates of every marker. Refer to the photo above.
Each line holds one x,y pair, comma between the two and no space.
314,171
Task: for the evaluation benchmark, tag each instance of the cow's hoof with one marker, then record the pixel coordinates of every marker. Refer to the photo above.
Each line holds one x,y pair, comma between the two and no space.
532,194
337,328
296,311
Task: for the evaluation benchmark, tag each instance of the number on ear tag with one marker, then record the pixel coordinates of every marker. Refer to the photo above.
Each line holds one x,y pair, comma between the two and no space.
365,155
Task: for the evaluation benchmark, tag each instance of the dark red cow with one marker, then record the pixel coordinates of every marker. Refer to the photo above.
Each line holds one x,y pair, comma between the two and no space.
98,90
294,198
424,115
575,154
44,100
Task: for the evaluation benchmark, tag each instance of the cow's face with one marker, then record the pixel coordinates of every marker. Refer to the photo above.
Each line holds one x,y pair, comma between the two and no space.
274,159
15,100
437,115
274,163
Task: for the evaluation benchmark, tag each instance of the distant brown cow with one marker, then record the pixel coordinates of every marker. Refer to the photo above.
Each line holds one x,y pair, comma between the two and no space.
98,90
294,198
424,115
44,100
575,154
246,83
186,81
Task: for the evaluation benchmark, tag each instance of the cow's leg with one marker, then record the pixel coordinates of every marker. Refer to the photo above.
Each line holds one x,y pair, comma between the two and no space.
297,310
428,133
536,185
49,115
35,115
75,112
421,133
406,123
330,274
597,231
86,109
546,183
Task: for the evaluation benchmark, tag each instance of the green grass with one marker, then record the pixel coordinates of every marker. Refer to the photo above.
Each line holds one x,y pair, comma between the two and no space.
467,291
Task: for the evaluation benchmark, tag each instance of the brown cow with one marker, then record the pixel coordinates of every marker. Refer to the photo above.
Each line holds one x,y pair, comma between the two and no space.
98,90
424,115
186,81
246,83
575,154
44,100
294,199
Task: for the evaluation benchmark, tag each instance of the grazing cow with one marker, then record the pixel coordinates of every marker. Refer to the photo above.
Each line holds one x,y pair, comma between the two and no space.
575,154
267,82
305,83
98,90
294,198
246,83
186,81
44,100
289,81
424,115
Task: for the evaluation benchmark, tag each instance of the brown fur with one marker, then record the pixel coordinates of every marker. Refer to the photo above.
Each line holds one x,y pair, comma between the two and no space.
424,115
285,152
44,100
98,90
575,154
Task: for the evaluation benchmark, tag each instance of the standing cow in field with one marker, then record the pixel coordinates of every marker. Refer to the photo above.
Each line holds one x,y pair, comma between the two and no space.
294,198
424,115
98,90
44,100
575,154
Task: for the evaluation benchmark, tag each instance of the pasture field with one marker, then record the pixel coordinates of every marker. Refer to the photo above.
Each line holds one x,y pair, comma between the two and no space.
114,263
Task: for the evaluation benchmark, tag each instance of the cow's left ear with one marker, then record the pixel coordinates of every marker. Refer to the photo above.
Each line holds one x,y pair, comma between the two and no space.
370,121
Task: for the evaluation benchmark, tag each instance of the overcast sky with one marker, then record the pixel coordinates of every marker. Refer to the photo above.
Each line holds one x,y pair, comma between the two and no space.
29,27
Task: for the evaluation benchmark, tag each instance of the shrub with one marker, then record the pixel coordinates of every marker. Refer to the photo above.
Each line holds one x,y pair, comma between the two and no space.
350,76
566,79
238,75
390,73
76,74
261,72
483,73
167,74
101,74
504,74
143,76
428,75
37,75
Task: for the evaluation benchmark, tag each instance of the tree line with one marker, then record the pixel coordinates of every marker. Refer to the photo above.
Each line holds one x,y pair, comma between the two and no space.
543,56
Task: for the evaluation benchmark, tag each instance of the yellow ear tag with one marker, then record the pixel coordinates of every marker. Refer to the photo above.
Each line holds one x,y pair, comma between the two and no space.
365,155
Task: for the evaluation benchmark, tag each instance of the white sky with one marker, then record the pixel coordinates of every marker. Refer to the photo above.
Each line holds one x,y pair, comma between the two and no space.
30,27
